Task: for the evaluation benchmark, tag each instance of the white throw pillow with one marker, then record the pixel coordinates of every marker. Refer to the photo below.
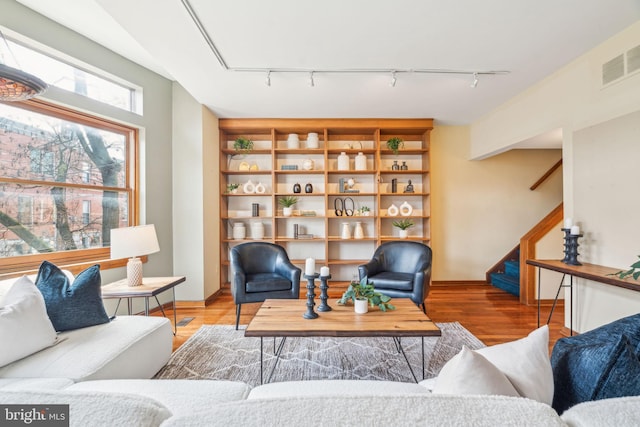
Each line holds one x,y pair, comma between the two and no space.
24,325
470,373
526,364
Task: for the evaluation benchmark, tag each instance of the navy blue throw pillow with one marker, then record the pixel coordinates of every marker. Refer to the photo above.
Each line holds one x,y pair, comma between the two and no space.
72,306
598,364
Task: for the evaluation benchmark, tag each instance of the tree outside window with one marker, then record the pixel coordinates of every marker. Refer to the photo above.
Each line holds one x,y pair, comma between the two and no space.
74,170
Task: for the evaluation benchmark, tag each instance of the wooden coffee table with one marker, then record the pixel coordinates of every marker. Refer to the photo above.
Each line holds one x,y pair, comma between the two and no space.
283,318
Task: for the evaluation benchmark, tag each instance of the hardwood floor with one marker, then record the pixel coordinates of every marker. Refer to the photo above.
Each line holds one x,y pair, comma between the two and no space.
492,315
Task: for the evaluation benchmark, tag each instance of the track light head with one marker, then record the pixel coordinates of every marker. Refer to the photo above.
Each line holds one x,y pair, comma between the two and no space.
393,79
475,80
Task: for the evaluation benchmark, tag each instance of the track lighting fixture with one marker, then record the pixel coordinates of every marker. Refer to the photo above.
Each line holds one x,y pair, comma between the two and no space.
475,80
393,79
312,83
267,81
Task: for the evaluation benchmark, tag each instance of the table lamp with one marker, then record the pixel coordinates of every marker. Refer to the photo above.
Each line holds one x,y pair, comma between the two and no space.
132,242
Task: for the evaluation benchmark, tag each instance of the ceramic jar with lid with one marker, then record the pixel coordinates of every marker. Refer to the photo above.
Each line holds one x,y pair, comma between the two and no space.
361,162
312,140
257,230
343,162
239,231
293,141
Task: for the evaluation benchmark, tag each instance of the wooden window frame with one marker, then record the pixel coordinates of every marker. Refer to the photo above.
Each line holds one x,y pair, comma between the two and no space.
77,260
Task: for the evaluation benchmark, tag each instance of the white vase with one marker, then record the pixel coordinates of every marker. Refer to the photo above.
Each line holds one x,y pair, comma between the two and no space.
361,306
260,189
346,231
293,141
257,230
312,140
343,162
361,162
358,233
406,209
287,211
392,210
239,231
404,234
249,188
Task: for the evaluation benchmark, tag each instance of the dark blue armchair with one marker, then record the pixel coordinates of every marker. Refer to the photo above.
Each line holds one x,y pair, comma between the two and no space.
400,269
261,271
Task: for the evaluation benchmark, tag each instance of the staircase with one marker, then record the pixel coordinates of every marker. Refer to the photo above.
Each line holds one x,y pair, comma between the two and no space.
509,280
505,274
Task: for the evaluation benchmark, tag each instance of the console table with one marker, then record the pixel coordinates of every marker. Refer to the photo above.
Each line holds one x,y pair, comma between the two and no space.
596,273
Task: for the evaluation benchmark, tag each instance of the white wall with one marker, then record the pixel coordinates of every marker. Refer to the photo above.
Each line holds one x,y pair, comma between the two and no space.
480,209
600,145
606,205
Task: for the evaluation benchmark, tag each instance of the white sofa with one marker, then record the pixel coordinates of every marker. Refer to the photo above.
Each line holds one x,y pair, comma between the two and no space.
173,403
102,373
126,347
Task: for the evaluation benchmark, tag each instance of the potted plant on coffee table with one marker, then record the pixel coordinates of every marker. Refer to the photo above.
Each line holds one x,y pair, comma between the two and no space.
363,294
404,226
287,202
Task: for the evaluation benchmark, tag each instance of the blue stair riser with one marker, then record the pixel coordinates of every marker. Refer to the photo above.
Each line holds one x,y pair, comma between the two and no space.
506,282
512,268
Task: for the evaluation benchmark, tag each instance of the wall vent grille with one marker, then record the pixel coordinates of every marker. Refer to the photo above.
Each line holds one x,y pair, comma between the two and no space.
633,60
613,69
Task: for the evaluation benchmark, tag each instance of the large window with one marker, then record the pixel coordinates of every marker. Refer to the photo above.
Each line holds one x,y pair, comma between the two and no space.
72,78
66,179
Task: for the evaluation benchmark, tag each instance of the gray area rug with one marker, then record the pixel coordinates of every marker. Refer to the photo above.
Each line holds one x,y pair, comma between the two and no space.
221,352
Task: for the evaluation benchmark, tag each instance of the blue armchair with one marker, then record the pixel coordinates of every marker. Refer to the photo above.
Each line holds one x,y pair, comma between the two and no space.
262,270
400,269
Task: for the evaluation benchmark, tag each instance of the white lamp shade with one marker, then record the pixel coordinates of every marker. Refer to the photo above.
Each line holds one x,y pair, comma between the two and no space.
130,242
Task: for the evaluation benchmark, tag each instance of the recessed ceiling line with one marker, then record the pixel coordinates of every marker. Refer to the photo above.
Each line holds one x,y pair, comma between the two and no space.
204,33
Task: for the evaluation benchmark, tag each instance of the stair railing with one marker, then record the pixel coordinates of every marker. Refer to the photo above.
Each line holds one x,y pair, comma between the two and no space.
528,251
546,175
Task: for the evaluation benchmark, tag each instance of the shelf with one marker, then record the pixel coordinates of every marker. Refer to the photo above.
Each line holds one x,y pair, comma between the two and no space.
367,136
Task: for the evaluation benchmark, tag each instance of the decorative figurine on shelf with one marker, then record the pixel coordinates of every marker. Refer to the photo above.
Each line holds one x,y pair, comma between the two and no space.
297,188
308,188
409,187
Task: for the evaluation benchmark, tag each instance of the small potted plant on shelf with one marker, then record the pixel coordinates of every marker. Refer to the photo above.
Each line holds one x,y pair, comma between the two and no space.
363,294
403,225
243,145
395,144
287,203
365,211
232,188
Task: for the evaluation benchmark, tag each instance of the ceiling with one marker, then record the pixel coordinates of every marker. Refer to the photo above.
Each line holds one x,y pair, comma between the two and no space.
529,39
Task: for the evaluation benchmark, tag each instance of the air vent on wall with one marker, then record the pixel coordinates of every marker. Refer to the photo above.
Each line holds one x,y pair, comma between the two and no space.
613,69
633,60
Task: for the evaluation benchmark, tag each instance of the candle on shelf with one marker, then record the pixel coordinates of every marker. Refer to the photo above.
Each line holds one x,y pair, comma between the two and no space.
310,267
324,271
568,222
575,230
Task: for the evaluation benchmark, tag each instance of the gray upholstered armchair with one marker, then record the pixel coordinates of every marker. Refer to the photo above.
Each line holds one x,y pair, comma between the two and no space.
262,270
400,269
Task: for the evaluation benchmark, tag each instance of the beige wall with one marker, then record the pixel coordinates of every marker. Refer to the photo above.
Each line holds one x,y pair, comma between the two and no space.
480,209
211,198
